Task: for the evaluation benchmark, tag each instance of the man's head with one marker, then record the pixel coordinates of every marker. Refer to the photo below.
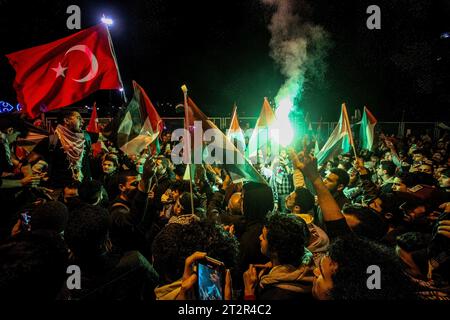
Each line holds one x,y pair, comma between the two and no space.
444,180
52,215
426,167
92,192
234,204
87,230
72,120
342,274
365,222
386,169
70,192
300,201
336,180
13,126
257,201
183,204
283,239
110,163
347,157
128,181
176,242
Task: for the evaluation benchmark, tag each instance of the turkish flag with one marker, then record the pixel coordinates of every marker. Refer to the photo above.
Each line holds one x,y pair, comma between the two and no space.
60,73
93,122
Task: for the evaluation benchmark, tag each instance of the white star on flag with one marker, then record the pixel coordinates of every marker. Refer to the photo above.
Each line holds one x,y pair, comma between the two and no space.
60,70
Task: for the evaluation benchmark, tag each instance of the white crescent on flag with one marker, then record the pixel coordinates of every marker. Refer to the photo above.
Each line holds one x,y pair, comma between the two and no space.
92,58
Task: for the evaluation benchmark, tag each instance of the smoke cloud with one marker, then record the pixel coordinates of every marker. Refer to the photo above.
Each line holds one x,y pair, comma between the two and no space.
298,46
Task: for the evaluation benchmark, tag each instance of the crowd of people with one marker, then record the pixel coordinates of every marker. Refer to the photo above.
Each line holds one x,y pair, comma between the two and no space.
365,227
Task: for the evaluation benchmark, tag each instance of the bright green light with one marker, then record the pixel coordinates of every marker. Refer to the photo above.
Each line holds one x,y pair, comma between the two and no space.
282,123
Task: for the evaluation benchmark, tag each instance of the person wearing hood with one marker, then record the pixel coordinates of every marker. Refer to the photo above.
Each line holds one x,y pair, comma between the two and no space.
289,274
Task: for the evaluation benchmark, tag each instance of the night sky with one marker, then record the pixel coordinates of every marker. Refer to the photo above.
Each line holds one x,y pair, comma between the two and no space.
221,51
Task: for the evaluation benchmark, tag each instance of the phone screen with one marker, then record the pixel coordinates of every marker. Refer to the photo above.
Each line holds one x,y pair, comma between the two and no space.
210,282
25,218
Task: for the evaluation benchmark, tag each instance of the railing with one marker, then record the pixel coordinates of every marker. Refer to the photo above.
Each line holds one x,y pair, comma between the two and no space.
396,128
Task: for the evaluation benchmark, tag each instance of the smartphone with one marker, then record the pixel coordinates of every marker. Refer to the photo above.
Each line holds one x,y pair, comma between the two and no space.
25,218
210,279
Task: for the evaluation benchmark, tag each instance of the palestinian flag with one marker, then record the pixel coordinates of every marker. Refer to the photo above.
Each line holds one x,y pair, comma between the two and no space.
235,133
366,133
223,152
260,139
340,139
141,124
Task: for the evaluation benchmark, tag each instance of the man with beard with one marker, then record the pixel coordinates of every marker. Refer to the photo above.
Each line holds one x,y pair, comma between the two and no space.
67,151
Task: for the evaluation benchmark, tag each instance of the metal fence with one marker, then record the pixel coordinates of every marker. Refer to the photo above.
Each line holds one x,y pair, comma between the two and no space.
396,128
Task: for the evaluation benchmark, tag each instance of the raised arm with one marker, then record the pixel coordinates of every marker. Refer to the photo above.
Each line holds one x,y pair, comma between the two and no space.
308,165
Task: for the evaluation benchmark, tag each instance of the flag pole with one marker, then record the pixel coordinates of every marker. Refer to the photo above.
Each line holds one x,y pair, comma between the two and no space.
111,46
185,90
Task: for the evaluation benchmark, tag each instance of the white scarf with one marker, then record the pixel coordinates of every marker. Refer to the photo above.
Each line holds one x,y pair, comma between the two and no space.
73,146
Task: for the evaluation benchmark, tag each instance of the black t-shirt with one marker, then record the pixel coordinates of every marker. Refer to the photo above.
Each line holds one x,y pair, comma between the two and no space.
59,172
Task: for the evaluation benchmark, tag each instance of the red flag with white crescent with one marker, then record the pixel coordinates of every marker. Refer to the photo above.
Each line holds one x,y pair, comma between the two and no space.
60,73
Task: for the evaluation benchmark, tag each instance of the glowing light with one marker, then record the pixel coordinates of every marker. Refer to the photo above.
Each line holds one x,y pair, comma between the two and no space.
121,89
107,21
445,35
282,122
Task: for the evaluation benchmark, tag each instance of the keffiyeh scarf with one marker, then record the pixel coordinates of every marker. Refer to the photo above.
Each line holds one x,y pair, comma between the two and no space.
73,145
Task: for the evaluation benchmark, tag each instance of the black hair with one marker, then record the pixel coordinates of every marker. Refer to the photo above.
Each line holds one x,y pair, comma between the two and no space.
64,114
287,236
87,230
180,186
353,256
33,267
346,165
112,158
90,191
304,199
176,242
73,184
123,176
413,241
257,201
370,224
185,202
389,166
180,169
14,121
52,215
343,177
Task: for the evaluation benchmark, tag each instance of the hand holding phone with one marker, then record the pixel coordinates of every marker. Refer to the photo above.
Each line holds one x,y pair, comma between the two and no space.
210,279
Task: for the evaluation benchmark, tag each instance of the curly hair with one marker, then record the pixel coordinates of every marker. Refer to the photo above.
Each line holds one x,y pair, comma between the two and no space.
353,256
287,236
176,242
304,199
87,230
